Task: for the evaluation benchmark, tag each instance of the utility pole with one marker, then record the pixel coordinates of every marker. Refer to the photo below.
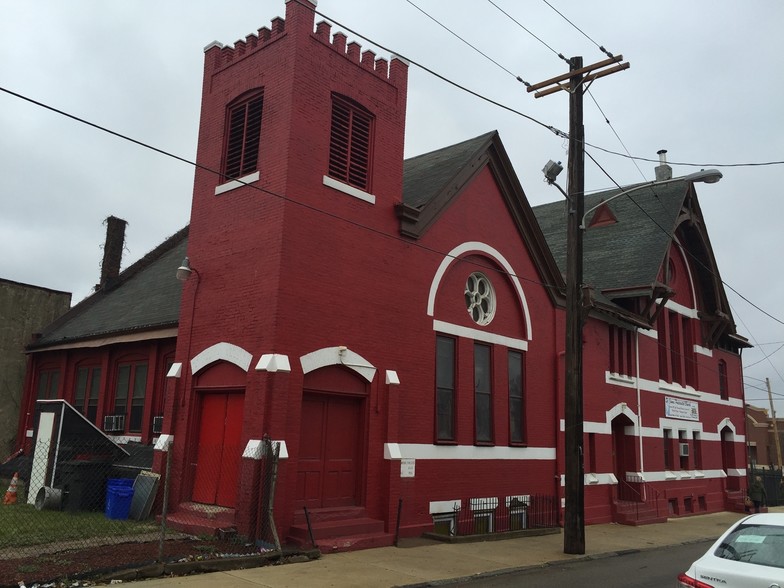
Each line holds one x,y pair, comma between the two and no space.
776,439
574,479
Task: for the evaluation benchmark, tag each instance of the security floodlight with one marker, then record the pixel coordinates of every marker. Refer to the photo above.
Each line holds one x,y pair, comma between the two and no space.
551,170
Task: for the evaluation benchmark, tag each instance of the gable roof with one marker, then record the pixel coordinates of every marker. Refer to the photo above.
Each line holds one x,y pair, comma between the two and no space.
627,254
145,297
624,258
432,181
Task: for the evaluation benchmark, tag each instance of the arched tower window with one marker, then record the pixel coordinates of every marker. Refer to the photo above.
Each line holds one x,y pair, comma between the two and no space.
350,142
244,136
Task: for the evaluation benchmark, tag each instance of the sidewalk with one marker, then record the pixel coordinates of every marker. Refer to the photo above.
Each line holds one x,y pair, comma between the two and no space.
422,562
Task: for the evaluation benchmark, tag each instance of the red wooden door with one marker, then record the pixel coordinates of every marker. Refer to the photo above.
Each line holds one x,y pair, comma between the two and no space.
328,453
219,449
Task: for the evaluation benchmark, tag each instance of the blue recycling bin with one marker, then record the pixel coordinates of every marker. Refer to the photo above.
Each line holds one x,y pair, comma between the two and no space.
119,494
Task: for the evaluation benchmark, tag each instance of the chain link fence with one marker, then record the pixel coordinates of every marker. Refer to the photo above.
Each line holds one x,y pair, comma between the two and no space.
75,511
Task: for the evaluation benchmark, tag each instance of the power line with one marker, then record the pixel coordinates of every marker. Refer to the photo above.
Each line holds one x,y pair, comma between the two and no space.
443,78
264,190
518,23
601,48
446,28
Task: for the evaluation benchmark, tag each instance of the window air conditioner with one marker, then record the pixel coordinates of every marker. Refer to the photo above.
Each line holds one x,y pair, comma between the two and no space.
684,449
114,423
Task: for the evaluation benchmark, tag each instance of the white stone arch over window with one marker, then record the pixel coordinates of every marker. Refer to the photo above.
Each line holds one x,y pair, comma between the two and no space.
222,352
476,246
337,356
621,409
726,423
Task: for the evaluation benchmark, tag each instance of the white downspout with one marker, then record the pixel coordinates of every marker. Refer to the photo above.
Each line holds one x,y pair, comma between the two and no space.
639,404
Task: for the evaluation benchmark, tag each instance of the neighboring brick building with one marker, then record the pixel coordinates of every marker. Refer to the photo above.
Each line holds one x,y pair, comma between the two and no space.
761,439
398,326
24,310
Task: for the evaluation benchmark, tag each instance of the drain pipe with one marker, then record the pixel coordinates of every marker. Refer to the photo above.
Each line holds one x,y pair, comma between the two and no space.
639,408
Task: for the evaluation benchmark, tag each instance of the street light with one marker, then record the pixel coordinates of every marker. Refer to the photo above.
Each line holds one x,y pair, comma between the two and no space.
708,176
574,491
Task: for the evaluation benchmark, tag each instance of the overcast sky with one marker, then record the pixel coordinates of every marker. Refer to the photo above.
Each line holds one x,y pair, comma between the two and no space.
705,83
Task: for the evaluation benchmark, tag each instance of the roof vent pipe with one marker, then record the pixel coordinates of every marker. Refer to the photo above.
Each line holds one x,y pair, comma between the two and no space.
663,171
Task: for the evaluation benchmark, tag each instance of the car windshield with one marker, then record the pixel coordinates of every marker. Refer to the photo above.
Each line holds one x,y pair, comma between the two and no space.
757,544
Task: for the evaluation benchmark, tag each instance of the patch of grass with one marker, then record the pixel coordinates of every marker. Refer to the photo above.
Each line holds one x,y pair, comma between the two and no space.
23,525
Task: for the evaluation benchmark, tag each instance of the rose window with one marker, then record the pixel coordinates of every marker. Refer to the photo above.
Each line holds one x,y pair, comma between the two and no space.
480,298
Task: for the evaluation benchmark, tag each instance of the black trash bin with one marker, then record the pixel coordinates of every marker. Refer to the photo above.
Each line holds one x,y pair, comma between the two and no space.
83,484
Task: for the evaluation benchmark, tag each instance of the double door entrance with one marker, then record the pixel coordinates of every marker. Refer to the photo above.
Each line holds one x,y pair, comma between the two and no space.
328,470
219,450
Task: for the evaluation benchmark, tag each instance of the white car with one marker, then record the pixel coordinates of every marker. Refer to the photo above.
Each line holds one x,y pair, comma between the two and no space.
750,554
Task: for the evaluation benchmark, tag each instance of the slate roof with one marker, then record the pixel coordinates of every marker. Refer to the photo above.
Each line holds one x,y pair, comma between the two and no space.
426,175
146,296
628,253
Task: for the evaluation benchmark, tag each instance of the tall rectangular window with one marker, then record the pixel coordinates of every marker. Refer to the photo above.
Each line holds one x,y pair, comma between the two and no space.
668,461
675,348
137,400
516,406
244,136
86,391
48,382
723,382
621,351
690,365
664,356
130,394
445,388
697,447
683,448
350,142
483,400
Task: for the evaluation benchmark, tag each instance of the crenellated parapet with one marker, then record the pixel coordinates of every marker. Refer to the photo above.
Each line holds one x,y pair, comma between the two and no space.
389,69
302,13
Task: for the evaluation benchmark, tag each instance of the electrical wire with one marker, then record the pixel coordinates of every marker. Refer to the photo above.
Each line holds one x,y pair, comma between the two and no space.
223,176
671,236
446,28
518,23
601,48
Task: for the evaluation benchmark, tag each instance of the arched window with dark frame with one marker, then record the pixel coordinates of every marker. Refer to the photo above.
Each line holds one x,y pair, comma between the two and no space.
350,142
243,135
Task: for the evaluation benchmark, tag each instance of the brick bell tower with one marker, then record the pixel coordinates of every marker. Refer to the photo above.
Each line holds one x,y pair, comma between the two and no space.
300,141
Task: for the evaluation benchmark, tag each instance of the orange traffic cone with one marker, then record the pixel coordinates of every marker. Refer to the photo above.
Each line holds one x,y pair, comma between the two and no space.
10,495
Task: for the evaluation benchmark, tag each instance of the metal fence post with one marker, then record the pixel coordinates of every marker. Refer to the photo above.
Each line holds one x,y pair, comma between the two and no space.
165,508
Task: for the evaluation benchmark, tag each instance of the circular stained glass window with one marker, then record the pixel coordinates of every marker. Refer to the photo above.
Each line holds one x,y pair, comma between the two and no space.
480,298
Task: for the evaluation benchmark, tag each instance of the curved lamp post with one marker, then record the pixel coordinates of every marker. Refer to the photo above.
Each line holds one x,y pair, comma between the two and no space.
708,176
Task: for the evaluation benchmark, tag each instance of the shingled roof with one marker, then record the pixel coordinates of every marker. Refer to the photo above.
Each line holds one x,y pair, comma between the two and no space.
626,254
145,297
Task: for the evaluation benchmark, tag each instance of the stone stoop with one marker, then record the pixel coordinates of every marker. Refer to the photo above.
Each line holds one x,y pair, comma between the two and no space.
202,519
634,514
339,529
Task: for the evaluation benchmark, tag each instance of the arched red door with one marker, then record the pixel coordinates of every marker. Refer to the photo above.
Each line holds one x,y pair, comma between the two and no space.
219,449
329,451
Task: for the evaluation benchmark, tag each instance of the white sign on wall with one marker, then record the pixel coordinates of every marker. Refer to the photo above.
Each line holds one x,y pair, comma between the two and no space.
407,467
677,408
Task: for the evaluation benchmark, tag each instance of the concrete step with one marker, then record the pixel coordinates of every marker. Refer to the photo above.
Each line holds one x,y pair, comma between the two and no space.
354,542
337,528
201,519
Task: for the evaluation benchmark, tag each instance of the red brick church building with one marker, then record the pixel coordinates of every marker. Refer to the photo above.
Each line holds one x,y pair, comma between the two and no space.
397,326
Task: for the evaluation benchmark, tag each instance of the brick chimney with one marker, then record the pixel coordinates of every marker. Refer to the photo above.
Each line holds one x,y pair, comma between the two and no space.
112,252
